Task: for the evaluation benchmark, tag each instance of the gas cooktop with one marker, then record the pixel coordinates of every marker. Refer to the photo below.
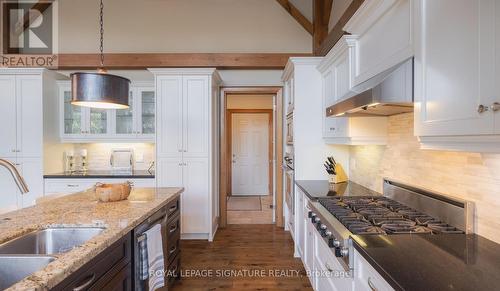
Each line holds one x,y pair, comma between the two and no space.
381,215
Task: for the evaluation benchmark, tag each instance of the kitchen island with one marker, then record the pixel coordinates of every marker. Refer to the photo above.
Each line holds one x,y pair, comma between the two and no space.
82,210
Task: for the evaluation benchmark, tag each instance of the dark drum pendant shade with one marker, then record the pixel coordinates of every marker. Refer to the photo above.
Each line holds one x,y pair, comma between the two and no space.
99,90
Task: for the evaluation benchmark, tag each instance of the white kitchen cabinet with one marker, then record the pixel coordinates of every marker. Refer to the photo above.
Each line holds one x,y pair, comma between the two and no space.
185,140
10,196
135,124
366,277
383,36
8,116
21,115
23,93
454,88
299,222
73,185
337,71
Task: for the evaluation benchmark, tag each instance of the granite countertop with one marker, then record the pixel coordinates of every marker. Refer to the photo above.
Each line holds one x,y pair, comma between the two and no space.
136,174
315,189
433,262
81,209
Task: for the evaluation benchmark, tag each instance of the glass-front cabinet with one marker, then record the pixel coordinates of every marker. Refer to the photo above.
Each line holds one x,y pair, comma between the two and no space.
137,123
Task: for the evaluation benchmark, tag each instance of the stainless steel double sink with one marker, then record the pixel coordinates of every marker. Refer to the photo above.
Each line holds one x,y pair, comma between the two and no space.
31,252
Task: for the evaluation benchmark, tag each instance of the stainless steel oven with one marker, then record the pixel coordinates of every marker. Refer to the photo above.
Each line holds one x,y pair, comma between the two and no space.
289,183
289,129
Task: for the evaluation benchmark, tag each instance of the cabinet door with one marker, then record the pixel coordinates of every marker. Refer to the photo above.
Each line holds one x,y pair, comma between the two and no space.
309,246
10,197
29,116
124,119
169,172
196,116
98,122
72,116
299,218
453,74
169,133
32,171
496,10
8,116
146,112
194,200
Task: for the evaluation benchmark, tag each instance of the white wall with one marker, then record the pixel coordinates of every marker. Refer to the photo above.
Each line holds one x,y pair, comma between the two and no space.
180,26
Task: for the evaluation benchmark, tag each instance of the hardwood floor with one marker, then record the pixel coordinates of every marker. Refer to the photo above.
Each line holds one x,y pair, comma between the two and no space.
260,257
262,216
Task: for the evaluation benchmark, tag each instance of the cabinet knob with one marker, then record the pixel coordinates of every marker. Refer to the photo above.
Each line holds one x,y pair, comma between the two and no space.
332,128
481,108
495,106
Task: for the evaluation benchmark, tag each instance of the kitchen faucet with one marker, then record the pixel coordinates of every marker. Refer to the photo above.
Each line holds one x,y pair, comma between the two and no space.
21,184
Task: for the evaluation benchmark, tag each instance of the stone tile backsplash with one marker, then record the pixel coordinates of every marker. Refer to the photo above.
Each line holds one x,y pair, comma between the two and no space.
471,176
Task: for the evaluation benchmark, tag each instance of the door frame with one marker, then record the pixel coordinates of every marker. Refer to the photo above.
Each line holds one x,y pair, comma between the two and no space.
278,155
270,143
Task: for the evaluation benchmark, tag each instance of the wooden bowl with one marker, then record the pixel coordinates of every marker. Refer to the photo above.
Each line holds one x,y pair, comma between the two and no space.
112,192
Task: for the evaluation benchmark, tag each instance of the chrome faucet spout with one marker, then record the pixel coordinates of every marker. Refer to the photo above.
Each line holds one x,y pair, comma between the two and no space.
21,184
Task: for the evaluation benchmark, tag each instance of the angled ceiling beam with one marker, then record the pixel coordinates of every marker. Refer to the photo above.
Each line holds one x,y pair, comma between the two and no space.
338,30
295,13
321,18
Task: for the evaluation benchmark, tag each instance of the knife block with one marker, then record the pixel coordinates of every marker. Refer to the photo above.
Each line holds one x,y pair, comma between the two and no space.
341,176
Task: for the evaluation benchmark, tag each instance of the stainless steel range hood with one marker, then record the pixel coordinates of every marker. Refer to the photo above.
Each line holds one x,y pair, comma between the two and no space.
388,93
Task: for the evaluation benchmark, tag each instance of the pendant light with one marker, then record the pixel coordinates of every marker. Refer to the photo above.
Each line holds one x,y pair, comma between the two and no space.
100,89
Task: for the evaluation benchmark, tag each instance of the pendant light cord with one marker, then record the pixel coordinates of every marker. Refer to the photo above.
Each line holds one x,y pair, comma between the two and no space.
101,47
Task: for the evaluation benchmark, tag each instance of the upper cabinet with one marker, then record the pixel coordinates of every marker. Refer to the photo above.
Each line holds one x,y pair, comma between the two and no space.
337,71
383,30
456,74
135,124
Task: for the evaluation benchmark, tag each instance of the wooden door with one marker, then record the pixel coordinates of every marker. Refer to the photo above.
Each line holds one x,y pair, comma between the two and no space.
250,154
196,116
169,119
454,67
8,117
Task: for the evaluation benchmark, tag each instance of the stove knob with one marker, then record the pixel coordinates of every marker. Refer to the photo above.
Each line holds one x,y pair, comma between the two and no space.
313,217
310,214
341,252
331,241
328,233
336,243
318,224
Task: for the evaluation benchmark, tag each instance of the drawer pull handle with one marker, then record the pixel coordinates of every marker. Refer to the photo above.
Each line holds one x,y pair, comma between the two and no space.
72,185
172,250
172,208
173,228
328,268
87,283
371,285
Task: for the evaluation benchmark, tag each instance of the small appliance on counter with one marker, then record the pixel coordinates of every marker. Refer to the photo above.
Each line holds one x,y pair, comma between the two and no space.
335,170
121,160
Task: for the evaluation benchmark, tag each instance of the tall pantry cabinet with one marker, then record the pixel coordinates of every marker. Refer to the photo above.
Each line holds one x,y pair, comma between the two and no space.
22,96
185,144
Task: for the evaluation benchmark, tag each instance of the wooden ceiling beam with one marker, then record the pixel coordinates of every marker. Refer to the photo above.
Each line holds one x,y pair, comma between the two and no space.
338,30
176,60
295,13
321,18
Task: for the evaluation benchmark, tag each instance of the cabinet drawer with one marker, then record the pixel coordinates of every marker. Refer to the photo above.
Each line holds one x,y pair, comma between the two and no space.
66,187
330,271
107,264
173,226
115,282
173,208
173,247
173,271
366,277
